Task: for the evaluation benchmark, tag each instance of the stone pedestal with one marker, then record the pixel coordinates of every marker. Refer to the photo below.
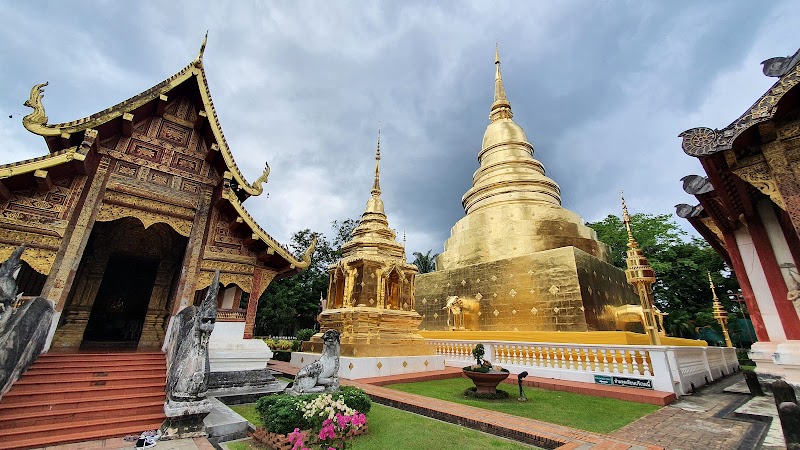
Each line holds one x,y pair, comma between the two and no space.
787,356
762,353
367,331
351,368
228,350
185,419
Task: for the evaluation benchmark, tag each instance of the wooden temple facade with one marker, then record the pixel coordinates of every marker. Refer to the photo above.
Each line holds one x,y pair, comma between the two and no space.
131,212
749,211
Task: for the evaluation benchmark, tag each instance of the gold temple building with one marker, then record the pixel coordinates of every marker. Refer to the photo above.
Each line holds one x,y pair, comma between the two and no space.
518,261
371,290
131,211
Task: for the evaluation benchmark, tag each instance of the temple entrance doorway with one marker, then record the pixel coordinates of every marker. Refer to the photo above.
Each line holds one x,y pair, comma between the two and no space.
120,306
124,287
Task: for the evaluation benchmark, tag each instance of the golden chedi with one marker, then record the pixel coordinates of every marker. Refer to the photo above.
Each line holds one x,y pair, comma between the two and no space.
518,260
371,291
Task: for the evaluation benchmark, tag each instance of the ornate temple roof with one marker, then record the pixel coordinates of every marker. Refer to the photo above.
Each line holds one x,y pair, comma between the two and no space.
66,135
703,141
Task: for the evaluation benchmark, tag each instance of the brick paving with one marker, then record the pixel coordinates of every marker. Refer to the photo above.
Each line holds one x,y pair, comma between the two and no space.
696,422
120,444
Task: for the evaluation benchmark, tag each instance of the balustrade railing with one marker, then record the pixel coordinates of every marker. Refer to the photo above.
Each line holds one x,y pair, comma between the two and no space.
670,369
231,315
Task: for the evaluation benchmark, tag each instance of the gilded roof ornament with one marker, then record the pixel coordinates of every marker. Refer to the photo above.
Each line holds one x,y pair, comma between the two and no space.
199,60
257,185
501,108
632,244
37,117
376,185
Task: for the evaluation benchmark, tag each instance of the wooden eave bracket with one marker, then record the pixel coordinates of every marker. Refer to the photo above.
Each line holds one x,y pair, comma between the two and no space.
212,153
65,139
127,124
200,120
43,180
235,225
266,254
161,105
5,194
252,239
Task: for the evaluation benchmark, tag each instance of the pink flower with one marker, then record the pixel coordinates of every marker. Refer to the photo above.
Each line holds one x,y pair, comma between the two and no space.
327,431
342,421
359,419
296,438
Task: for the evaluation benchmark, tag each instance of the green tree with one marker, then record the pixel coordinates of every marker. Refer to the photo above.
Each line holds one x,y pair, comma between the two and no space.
681,265
293,303
425,263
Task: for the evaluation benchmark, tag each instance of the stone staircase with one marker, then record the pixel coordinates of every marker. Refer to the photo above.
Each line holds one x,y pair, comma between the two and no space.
72,397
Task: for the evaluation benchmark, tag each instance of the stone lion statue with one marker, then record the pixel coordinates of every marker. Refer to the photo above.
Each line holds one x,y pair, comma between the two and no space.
321,375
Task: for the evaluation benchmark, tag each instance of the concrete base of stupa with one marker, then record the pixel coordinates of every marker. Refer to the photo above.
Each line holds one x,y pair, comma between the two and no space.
351,368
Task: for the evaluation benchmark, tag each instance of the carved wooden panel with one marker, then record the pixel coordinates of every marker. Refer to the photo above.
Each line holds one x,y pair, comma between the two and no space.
222,240
46,210
170,149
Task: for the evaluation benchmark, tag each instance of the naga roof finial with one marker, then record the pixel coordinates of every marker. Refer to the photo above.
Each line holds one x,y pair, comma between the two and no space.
37,117
258,184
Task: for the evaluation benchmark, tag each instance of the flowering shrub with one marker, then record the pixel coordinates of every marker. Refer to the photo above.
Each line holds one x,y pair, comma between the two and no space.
280,344
283,413
334,433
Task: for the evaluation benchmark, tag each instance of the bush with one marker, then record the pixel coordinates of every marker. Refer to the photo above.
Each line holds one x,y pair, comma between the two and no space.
356,398
282,413
279,355
305,334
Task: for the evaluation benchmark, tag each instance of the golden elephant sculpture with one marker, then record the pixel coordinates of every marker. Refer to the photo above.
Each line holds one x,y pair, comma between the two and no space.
462,313
623,316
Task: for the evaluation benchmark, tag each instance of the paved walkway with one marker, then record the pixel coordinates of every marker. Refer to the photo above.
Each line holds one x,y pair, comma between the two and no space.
120,444
707,420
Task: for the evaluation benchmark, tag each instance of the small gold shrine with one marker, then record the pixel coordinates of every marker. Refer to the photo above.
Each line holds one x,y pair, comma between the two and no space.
371,290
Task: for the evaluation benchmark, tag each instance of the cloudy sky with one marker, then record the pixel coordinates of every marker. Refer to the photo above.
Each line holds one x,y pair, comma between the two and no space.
601,88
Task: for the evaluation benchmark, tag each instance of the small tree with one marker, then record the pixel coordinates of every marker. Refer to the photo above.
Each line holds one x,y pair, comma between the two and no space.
478,353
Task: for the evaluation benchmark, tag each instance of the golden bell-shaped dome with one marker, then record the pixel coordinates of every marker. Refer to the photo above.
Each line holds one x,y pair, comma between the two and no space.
513,208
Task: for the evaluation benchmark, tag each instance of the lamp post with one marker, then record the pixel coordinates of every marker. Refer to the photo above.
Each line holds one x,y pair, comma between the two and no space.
720,314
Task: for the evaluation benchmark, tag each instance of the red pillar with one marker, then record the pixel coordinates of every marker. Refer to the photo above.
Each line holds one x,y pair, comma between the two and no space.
777,285
747,290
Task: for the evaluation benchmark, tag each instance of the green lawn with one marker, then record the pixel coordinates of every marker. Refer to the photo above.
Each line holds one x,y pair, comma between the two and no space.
597,414
393,428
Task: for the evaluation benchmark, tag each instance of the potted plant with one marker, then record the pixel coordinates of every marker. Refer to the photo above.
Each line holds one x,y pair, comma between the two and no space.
485,376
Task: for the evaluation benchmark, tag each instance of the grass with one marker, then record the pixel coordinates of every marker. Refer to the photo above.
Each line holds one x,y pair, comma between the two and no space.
585,412
393,428
248,411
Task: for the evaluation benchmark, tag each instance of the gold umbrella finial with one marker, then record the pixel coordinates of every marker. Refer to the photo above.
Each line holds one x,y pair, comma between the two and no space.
376,185
626,218
501,108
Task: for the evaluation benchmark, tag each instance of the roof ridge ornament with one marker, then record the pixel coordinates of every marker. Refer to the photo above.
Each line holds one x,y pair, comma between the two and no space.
199,60
38,116
263,179
779,66
501,108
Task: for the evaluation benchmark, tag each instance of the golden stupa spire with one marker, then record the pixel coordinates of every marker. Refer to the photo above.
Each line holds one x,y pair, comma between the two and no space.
641,276
719,312
376,185
501,108
627,219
